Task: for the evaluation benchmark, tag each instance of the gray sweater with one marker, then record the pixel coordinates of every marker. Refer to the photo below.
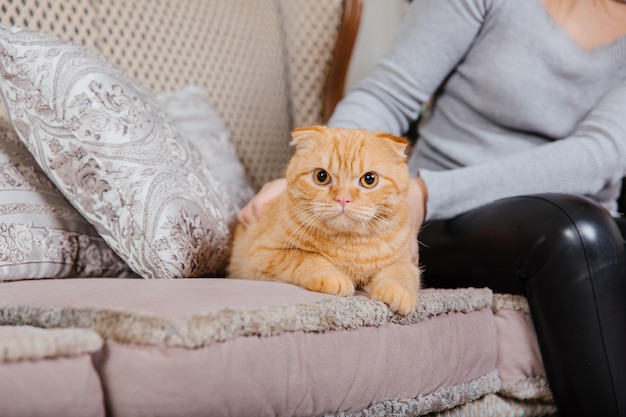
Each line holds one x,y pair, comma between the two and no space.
521,107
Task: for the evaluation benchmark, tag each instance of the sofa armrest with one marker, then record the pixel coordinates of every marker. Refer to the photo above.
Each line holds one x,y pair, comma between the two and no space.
335,84
318,40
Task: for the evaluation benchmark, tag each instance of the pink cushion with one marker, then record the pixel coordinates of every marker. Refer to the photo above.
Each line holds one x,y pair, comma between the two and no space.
49,373
519,360
236,347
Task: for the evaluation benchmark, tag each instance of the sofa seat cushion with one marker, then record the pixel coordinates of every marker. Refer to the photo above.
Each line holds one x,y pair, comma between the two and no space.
238,347
49,372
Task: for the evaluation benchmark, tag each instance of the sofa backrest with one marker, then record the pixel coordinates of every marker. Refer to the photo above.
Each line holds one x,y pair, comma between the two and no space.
265,64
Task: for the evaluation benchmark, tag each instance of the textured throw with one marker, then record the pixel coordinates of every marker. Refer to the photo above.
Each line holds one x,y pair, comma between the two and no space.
438,400
29,343
203,330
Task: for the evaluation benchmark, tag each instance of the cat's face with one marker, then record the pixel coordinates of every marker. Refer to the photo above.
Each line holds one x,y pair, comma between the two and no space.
347,180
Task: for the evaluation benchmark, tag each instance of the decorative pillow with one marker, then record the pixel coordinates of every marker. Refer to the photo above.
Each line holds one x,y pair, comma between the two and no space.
41,234
112,151
198,123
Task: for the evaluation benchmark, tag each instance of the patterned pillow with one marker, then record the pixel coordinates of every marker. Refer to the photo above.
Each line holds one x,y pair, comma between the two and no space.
41,234
112,151
198,122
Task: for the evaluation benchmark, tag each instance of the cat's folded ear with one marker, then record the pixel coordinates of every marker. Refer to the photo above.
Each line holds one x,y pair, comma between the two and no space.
397,143
304,137
301,135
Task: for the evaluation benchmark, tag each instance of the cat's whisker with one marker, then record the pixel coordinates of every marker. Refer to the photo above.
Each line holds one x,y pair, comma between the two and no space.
378,224
307,222
297,230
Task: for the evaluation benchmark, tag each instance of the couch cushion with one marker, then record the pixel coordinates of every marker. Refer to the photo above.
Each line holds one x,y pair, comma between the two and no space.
41,234
496,405
49,373
519,363
112,151
238,347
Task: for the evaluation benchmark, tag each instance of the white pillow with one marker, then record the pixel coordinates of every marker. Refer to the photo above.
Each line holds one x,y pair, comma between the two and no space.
198,122
117,157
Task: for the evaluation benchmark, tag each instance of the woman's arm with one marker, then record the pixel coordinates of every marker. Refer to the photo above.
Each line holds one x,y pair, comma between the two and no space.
433,38
587,163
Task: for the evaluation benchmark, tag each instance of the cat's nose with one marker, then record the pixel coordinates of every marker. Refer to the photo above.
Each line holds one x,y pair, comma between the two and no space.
343,201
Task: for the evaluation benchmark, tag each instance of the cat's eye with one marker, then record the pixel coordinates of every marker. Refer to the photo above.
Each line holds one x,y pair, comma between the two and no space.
321,177
369,180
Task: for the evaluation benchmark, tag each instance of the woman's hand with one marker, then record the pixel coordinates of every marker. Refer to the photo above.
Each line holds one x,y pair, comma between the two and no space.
251,212
418,195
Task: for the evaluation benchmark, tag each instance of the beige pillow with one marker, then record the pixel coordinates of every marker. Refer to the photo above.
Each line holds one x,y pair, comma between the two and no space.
41,234
198,122
112,151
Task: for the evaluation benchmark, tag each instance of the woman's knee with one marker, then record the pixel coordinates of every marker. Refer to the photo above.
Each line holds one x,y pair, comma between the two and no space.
508,242
569,235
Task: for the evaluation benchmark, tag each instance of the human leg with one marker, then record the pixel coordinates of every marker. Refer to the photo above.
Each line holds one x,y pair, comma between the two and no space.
567,256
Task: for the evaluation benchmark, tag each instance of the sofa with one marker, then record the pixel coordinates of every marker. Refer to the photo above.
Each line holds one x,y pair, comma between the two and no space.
132,133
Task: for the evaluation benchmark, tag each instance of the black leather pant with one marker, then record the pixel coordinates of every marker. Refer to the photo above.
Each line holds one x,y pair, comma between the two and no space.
567,255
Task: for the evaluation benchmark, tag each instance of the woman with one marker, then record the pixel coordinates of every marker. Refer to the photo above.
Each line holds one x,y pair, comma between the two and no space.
518,168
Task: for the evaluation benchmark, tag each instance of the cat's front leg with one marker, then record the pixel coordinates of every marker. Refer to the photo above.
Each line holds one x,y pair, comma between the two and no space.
396,285
316,273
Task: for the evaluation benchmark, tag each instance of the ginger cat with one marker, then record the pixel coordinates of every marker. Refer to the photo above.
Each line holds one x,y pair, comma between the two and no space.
343,222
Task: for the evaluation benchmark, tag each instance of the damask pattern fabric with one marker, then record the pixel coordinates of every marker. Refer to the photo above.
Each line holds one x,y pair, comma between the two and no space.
198,123
113,152
41,234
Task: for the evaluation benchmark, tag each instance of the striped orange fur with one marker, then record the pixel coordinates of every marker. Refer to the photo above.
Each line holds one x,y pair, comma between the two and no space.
343,222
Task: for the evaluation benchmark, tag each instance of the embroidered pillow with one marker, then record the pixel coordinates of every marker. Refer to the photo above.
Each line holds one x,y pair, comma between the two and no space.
198,122
41,234
112,151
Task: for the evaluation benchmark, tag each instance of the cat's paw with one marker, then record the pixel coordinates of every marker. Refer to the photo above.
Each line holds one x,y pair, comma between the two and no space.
397,296
337,284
